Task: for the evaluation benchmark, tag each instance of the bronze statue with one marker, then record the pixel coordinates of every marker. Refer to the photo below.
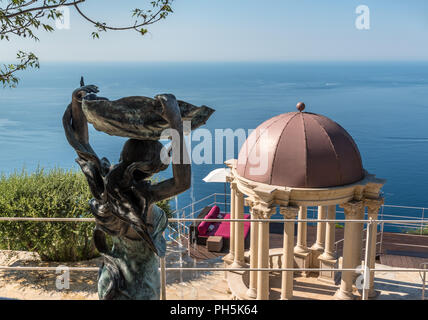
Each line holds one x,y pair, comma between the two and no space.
124,197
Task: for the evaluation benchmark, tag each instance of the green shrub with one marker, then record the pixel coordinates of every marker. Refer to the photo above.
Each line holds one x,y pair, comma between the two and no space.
419,231
56,193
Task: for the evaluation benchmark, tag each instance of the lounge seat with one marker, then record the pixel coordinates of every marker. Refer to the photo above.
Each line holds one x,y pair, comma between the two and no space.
202,230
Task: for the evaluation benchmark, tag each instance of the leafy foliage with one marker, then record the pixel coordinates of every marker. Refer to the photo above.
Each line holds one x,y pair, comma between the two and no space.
7,71
49,194
23,18
418,231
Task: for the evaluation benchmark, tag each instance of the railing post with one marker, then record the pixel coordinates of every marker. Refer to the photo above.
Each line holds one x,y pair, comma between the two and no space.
183,225
163,278
169,232
422,221
424,279
189,238
367,256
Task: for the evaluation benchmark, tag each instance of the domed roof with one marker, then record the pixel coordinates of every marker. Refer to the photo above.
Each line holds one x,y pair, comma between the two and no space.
302,150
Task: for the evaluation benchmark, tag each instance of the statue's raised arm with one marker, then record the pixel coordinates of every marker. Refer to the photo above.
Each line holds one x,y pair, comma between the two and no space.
75,123
181,170
76,131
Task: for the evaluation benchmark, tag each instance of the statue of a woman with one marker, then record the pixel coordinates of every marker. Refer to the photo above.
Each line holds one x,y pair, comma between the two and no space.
124,200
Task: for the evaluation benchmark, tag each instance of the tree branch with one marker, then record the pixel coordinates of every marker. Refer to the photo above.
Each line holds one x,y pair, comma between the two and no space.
103,26
44,7
21,18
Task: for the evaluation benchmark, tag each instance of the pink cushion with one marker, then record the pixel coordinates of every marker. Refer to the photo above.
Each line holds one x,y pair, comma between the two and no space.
220,228
214,230
224,229
213,213
204,225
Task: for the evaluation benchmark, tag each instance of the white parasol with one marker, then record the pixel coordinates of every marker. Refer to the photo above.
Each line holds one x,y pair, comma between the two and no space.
219,175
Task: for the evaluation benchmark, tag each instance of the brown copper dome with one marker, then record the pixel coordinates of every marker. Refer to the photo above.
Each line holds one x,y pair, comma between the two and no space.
302,150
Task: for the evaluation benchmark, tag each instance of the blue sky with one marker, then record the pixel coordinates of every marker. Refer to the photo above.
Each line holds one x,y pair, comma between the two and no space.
243,30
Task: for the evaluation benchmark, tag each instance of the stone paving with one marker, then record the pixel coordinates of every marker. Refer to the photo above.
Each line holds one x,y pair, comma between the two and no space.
392,286
182,285
208,287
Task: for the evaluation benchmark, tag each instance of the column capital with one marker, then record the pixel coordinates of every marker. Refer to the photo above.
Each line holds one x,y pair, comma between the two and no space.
259,208
250,202
352,207
289,212
373,205
233,184
238,192
263,213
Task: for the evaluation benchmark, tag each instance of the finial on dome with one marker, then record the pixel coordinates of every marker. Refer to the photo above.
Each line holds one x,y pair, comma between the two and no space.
300,106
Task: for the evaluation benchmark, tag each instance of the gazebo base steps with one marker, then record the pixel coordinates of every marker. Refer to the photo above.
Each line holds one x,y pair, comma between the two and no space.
228,259
344,295
373,294
237,286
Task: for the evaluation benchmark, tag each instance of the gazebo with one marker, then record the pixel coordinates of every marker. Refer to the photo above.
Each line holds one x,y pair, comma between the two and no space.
291,162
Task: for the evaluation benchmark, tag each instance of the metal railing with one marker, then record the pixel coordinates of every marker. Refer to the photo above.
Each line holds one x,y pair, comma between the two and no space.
184,218
417,213
413,222
182,230
365,272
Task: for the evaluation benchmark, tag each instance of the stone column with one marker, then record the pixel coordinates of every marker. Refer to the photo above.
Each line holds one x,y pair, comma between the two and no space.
252,290
328,259
301,251
352,245
239,231
263,257
288,252
373,206
231,256
318,247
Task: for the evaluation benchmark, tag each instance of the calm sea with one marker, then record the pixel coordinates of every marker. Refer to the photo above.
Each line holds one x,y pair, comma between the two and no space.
384,106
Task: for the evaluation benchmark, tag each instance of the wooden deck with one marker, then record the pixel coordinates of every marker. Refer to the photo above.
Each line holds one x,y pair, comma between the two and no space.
200,252
402,261
404,250
398,249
